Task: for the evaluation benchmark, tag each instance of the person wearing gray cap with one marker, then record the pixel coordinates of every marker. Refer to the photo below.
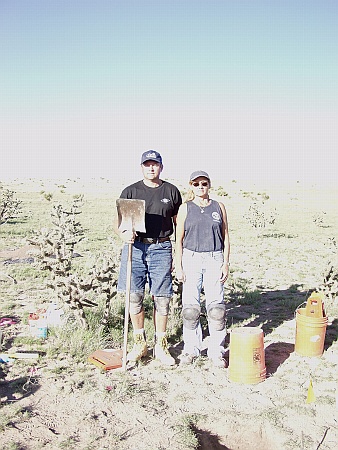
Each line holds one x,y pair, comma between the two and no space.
151,256
202,260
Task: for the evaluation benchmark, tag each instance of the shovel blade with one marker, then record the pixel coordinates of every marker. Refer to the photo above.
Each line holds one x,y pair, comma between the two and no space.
131,214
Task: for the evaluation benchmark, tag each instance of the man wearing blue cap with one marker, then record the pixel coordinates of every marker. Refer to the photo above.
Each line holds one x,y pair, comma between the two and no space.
151,256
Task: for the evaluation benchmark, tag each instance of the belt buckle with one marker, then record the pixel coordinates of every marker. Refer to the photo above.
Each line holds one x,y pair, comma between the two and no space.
154,240
149,240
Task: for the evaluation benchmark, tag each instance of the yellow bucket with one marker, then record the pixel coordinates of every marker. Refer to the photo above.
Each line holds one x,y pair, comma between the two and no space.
310,334
246,355
315,305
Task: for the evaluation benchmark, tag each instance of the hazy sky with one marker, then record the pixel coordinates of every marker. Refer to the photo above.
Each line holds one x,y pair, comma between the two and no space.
243,89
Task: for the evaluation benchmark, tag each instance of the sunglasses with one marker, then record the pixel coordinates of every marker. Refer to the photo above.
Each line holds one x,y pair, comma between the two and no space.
203,183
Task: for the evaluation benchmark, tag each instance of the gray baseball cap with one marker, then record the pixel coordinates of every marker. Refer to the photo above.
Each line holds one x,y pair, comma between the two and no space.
199,173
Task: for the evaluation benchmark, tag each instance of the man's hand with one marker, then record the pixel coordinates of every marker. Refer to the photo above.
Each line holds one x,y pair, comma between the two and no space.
128,236
180,275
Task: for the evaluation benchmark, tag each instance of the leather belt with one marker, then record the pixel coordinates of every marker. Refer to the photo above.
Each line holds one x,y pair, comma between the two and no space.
147,240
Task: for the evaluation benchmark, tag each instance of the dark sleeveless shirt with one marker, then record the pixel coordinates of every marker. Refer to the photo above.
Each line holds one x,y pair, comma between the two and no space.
203,231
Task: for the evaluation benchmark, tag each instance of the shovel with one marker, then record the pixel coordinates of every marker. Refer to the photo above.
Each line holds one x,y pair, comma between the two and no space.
131,213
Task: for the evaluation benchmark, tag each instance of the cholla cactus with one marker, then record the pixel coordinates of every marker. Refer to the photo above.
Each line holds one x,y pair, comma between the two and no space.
56,254
10,207
57,247
57,244
331,282
76,291
329,285
106,276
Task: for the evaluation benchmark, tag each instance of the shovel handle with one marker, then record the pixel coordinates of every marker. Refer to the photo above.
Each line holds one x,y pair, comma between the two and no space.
126,310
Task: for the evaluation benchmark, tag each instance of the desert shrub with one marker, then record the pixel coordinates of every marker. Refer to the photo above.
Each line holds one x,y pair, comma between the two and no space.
260,196
329,284
247,194
279,235
264,196
57,250
48,196
319,219
259,216
221,192
10,207
330,288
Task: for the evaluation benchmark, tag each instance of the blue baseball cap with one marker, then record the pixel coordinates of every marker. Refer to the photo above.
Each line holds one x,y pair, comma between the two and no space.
151,155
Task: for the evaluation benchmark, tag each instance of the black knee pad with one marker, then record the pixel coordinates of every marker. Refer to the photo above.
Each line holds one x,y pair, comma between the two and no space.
136,303
162,305
217,316
191,316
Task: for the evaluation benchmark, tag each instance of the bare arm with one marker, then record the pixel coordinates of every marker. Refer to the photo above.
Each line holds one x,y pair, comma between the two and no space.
226,242
180,220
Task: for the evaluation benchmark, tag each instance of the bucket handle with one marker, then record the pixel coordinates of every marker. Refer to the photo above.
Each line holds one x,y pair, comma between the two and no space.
304,303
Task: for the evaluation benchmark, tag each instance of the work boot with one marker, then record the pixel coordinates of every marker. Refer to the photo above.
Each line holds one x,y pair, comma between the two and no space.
218,361
140,348
161,352
186,359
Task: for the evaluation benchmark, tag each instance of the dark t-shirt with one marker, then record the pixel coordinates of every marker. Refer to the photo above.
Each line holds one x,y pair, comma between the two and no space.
161,204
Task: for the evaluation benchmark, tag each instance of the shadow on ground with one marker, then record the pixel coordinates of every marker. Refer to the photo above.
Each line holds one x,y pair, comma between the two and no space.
265,309
18,388
276,354
331,334
207,441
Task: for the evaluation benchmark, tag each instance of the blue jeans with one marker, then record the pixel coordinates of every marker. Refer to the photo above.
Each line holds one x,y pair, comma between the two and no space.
202,269
150,263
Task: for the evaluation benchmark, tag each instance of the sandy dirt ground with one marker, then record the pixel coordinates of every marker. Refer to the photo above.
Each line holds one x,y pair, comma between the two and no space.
151,407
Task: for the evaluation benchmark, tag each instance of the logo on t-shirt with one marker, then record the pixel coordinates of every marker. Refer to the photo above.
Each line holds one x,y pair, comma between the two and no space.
165,200
216,217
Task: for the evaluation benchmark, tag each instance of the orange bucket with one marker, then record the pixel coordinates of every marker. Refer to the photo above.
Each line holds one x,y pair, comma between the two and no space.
311,324
246,355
